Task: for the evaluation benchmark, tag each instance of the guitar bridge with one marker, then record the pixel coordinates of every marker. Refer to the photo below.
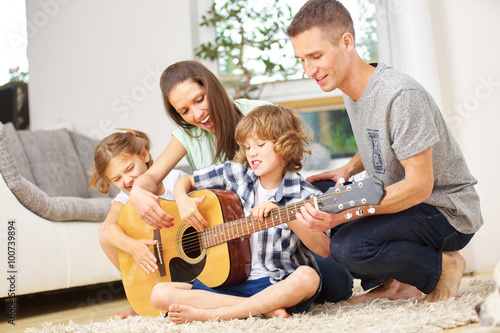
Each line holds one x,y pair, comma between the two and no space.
157,249
158,252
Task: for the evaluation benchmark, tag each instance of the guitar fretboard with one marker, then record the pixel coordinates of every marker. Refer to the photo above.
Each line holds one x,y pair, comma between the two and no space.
225,232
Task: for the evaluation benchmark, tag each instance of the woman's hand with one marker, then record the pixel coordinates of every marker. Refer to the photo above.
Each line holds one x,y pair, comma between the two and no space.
261,211
142,197
142,254
147,206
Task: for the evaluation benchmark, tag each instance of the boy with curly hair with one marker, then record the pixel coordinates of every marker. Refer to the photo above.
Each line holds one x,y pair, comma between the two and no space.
284,276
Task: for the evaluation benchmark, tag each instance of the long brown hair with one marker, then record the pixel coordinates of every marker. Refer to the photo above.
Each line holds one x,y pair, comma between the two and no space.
329,15
223,113
130,142
281,125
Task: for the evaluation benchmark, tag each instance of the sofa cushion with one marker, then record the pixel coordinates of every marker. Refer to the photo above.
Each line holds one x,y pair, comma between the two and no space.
17,151
54,163
85,148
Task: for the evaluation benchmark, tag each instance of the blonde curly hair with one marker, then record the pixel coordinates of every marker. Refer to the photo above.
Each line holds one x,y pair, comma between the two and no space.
281,125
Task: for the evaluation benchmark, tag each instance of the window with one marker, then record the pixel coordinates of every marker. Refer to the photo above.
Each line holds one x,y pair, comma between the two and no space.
328,119
250,36
13,59
251,50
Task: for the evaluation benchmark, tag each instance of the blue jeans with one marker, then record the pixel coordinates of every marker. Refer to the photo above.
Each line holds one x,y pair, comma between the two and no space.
405,246
337,282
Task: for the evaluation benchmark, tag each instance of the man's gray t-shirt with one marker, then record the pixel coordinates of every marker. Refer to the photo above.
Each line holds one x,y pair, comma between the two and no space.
396,118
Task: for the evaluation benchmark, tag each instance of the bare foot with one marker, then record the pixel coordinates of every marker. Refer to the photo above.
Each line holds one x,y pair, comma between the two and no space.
180,314
451,276
127,313
391,289
281,312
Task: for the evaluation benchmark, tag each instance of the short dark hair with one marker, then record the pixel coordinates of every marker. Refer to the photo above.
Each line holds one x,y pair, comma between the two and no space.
329,15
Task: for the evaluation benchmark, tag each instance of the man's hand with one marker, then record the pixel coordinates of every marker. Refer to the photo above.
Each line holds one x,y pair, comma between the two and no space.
354,166
317,220
335,175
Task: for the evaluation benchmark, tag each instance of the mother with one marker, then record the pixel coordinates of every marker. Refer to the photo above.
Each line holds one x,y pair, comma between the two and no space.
198,103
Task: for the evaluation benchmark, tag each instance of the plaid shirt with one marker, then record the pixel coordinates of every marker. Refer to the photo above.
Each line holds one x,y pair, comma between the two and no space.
280,250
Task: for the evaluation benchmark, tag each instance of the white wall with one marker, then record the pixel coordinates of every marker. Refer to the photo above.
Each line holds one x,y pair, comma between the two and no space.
467,48
95,66
450,48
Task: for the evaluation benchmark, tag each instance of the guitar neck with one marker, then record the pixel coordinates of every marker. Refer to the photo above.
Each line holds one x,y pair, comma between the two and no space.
367,192
228,231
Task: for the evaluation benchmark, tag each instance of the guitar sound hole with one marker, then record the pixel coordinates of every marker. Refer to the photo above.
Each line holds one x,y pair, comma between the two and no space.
191,243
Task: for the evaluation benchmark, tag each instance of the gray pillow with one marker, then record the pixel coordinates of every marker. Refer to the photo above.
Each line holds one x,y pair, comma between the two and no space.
54,163
34,199
85,147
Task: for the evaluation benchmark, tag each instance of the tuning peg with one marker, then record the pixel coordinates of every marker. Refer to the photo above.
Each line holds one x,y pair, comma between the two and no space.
359,212
360,176
371,210
341,181
348,215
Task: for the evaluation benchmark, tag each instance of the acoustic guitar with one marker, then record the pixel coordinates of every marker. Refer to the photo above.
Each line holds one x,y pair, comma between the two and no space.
219,255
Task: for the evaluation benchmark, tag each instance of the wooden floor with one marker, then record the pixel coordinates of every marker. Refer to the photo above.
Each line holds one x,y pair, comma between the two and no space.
94,303
81,305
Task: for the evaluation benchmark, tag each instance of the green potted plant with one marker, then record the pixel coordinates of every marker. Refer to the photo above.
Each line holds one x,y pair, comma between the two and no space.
249,44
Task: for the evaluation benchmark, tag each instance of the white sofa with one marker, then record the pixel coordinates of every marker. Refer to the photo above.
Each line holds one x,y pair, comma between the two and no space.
49,218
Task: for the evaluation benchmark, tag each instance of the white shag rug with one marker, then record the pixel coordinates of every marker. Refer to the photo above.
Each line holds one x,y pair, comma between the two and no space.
379,315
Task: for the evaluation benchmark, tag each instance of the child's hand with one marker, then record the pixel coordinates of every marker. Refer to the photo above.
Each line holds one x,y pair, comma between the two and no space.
142,254
262,210
188,212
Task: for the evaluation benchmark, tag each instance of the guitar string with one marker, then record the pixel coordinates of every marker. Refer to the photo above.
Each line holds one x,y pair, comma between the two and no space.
235,229
230,224
192,242
225,232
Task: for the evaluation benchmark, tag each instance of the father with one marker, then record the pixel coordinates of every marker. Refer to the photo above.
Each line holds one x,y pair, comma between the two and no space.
431,209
